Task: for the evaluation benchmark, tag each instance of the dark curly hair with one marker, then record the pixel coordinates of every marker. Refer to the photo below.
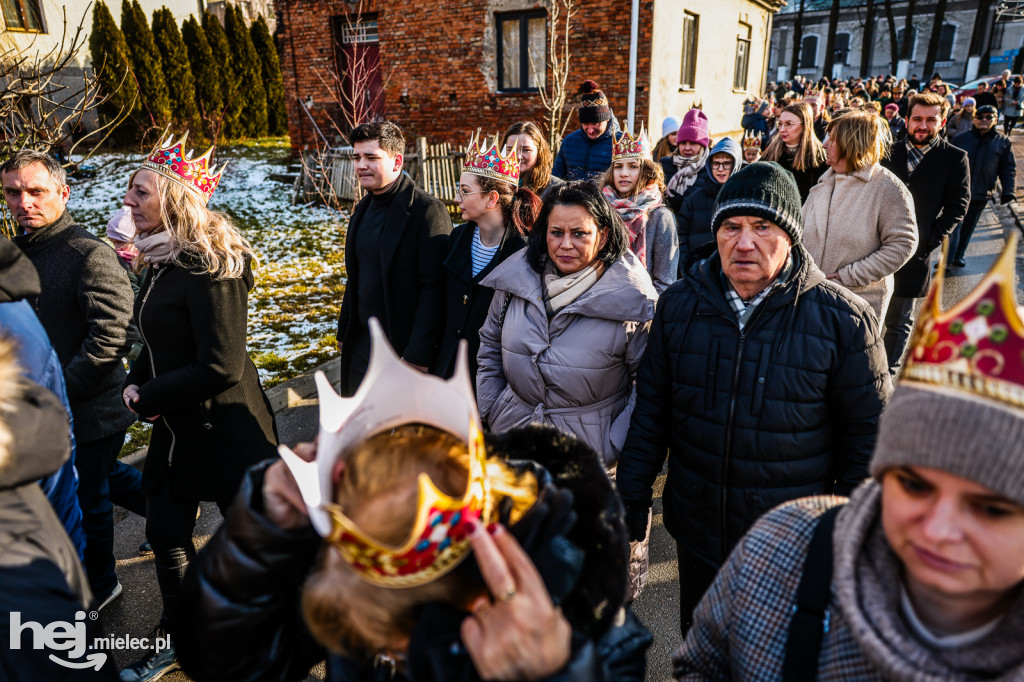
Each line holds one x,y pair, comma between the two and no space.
588,196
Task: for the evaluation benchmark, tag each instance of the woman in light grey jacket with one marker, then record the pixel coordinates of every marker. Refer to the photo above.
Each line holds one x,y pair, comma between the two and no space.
567,325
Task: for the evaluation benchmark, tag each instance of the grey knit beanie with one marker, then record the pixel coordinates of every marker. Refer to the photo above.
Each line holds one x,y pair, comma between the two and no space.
764,189
941,428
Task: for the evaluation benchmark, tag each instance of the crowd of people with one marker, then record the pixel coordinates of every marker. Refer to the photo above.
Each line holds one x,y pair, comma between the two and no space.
478,503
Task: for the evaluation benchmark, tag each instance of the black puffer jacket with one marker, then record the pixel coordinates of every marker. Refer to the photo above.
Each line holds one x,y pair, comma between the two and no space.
241,620
786,408
991,158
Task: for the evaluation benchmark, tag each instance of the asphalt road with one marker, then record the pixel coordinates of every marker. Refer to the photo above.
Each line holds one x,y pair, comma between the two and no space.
138,609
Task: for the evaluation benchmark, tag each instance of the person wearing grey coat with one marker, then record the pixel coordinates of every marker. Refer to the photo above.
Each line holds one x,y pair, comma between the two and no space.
567,325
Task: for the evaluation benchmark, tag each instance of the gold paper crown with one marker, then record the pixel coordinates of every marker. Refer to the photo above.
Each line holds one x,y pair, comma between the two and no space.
171,161
488,162
393,394
977,346
751,140
628,147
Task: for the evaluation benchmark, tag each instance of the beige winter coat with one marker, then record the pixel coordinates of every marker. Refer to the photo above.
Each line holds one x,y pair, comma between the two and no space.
575,371
861,226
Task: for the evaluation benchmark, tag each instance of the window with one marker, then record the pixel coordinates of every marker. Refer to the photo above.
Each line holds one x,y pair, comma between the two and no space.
946,43
913,42
522,51
841,52
23,14
809,52
739,77
688,74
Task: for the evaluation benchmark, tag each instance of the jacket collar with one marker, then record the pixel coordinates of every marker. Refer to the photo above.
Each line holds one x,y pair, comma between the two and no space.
460,259
623,294
37,240
705,267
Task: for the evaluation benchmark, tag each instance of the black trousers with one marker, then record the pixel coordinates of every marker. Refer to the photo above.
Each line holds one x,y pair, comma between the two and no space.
169,526
94,460
695,577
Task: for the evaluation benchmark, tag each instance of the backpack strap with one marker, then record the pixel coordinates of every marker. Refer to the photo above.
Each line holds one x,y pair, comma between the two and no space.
811,618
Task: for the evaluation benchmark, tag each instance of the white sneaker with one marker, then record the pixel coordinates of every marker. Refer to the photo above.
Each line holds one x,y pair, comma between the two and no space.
114,594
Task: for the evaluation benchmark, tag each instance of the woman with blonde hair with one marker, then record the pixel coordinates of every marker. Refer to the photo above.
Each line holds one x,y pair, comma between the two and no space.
194,380
859,223
535,157
796,148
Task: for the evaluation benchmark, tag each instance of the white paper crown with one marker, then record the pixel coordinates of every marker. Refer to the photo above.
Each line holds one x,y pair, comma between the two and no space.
390,395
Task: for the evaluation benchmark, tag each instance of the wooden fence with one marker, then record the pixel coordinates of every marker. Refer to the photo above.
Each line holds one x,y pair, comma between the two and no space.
330,176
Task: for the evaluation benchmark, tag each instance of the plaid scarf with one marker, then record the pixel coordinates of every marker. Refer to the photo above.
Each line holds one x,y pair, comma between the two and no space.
915,155
745,309
634,211
686,173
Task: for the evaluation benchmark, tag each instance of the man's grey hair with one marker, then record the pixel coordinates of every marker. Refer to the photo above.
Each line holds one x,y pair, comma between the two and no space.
26,157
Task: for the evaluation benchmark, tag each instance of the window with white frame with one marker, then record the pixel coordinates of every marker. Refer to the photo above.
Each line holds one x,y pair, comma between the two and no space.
742,66
688,71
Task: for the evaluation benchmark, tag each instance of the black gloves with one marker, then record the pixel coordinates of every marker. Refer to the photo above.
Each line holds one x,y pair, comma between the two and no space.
636,521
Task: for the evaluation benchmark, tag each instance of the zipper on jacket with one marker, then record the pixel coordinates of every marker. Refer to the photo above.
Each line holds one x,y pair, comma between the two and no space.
728,440
152,362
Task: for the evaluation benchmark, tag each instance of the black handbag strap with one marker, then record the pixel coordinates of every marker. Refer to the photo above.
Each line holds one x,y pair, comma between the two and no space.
504,310
810,614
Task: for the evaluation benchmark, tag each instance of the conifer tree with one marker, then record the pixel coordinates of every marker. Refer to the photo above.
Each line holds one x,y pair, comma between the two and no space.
181,87
270,69
206,73
221,51
146,65
111,59
252,95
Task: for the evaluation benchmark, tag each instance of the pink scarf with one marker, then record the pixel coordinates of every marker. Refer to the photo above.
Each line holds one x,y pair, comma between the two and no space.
634,212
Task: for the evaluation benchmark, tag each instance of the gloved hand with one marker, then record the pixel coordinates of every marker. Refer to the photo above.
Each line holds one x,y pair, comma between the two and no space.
636,521
1006,198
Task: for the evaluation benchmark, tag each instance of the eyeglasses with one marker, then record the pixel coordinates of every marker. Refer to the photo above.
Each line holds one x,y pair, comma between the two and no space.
721,165
985,117
462,195
788,124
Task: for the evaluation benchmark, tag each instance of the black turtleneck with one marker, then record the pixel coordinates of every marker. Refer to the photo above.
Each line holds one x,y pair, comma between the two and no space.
370,232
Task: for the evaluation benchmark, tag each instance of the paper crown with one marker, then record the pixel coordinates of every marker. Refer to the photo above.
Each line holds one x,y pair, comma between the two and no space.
977,346
171,161
488,162
751,140
393,394
628,147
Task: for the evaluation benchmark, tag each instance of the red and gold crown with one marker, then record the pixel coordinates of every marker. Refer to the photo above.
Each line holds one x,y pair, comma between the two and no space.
626,146
171,161
488,162
977,346
391,395
751,139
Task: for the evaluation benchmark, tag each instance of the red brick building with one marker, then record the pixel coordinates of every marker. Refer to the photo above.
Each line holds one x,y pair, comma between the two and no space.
441,69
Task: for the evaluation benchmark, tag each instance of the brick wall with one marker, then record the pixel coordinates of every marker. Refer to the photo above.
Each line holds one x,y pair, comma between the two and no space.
439,64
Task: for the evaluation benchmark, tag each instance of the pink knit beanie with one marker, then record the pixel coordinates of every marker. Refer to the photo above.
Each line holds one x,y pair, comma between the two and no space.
694,128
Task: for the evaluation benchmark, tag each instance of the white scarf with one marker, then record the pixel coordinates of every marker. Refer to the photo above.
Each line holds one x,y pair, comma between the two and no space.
561,290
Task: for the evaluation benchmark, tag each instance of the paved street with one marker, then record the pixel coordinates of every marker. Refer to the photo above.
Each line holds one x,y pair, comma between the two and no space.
137,611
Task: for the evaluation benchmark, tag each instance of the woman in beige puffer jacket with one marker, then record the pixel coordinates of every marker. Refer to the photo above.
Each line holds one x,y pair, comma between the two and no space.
572,365
859,222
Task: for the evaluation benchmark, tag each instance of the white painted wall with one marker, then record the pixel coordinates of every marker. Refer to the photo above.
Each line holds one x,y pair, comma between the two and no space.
716,57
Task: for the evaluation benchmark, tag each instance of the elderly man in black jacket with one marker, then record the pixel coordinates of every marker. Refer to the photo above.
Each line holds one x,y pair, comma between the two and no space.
86,308
990,155
762,380
937,175
396,244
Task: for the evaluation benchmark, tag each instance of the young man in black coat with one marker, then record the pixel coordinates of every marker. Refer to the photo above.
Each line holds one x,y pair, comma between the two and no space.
396,243
939,179
86,308
990,155
762,381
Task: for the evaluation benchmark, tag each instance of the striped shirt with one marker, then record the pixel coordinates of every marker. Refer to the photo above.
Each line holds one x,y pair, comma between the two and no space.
482,255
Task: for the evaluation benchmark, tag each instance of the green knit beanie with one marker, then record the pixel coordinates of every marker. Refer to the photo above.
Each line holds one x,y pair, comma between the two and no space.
764,189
